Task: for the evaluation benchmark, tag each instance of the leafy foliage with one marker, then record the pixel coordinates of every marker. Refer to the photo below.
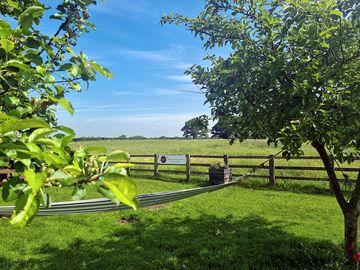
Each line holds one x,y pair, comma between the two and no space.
196,127
219,130
36,73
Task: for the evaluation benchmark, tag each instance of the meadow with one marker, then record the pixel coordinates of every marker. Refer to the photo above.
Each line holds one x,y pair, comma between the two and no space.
222,147
247,226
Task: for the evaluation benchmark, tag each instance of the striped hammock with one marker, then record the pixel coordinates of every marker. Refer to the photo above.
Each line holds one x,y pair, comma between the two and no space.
106,205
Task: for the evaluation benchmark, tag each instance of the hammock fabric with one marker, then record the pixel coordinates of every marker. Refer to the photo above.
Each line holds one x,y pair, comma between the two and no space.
106,205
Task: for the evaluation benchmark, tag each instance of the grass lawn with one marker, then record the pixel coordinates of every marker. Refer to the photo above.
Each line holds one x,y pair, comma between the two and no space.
291,226
234,228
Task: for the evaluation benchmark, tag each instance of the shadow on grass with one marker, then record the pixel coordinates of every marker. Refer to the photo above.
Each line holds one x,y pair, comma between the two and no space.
289,186
304,187
206,242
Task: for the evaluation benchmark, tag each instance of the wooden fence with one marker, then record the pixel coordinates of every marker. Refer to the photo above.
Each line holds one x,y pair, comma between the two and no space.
233,162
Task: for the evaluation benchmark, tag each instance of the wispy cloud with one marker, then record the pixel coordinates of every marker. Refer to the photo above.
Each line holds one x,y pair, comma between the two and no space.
174,57
116,7
180,89
179,78
102,108
162,56
126,93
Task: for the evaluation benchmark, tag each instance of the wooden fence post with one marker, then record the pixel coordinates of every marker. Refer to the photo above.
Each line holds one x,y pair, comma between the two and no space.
226,160
188,168
271,170
156,165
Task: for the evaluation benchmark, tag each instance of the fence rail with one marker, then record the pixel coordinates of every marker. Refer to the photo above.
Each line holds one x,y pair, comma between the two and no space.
232,160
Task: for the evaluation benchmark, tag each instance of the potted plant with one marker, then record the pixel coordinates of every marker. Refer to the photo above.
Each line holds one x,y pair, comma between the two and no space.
219,173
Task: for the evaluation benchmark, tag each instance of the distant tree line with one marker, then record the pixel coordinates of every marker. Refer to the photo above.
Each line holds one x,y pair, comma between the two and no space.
124,137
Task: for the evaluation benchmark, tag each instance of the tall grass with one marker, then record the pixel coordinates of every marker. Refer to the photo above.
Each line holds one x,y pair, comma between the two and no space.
221,147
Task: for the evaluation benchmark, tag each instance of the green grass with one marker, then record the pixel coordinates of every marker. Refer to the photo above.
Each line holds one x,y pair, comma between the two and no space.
294,225
234,228
221,147
203,146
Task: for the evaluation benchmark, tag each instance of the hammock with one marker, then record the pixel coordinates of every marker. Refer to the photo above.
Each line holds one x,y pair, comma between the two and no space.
106,205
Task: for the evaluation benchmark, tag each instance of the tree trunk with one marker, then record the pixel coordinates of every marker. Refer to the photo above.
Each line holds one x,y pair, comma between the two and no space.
349,209
351,226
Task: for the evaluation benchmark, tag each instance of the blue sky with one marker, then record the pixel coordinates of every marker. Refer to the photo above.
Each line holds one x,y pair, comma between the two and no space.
148,95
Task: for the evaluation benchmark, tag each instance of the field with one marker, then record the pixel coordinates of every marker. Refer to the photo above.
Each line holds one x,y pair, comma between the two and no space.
221,147
243,227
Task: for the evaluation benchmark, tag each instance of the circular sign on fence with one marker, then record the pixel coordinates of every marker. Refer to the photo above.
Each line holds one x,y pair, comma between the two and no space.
163,159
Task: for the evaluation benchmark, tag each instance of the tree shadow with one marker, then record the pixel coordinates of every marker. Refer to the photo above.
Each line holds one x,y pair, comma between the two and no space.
303,187
206,242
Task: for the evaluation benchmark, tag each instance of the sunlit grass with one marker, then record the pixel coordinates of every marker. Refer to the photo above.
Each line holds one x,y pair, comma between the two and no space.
293,225
234,228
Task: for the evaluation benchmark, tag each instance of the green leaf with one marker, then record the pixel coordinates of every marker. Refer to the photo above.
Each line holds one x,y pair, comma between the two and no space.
325,45
103,71
107,193
53,159
10,101
7,45
20,124
119,155
123,188
18,64
66,105
35,180
9,191
95,150
336,12
4,25
46,141
63,178
73,170
75,70
4,116
41,70
26,208
66,66
26,18
40,133
78,193
67,130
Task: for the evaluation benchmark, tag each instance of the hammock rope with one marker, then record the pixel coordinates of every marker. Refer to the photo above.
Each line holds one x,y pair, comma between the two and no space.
145,200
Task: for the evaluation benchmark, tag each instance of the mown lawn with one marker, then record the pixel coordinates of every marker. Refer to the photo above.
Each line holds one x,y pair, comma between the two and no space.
293,225
234,228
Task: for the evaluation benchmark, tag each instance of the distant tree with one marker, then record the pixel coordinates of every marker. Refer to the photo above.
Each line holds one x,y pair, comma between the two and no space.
122,137
293,76
196,127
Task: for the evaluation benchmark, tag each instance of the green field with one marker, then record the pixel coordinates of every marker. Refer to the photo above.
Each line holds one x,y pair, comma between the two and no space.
221,147
243,227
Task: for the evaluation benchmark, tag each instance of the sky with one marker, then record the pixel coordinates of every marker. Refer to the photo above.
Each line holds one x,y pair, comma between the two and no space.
149,94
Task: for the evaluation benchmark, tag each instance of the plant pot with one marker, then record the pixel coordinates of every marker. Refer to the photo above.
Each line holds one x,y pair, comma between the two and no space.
219,176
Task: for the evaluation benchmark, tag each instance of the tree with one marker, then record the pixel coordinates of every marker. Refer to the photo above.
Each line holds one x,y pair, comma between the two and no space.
36,73
196,127
293,76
